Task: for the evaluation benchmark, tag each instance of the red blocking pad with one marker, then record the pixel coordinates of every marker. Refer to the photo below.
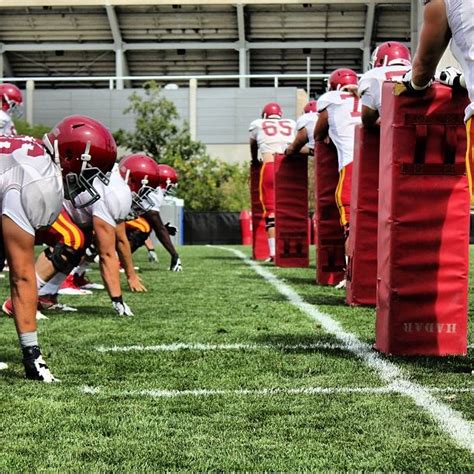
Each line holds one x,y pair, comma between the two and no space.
423,232
260,250
362,263
291,211
330,257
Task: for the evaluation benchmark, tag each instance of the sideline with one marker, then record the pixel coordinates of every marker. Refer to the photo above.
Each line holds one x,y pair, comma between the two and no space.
449,420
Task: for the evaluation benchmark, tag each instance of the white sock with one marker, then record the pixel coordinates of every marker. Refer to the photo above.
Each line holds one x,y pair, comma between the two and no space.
80,269
52,286
271,244
39,282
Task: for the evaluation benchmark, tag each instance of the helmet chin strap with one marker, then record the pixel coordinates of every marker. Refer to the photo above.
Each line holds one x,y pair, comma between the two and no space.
56,153
127,176
86,157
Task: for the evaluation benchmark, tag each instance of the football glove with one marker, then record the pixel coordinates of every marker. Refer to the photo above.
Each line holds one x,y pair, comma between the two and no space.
152,257
121,308
407,86
171,229
451,77
176,264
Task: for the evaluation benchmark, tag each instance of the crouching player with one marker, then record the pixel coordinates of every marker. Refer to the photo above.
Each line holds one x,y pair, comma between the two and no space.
151,182
339,113
269,134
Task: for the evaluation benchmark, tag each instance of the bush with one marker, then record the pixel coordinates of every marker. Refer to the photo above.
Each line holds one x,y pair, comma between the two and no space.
36,131
205,184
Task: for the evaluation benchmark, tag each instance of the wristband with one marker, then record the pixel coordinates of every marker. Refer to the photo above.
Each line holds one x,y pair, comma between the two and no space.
117,299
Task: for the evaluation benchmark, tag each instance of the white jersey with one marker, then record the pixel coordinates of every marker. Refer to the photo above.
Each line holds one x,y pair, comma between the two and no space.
7,127
113,207
31,186
272,135
370,84
344,113
460,15
308,122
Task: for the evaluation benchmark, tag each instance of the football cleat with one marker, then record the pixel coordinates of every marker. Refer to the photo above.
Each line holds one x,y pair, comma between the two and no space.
269,260
341,285
69,287
50,303
7,308
35,366
84,283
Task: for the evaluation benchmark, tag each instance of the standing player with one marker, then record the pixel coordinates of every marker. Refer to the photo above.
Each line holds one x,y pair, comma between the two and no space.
390,61
304,140
152,182
11,101
339,113
444,20
269,135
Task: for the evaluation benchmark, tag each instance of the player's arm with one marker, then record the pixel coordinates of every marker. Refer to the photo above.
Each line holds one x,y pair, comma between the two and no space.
298,145
163,235
434,39
369,117
125,255
254,151
322,126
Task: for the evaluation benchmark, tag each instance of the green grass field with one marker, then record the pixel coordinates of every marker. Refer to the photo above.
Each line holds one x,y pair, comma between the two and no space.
256,384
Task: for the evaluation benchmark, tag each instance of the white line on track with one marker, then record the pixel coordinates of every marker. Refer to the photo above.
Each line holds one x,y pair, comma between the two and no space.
450,421
264,392
181,346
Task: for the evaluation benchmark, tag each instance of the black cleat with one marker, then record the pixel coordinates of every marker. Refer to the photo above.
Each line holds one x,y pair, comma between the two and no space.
35,366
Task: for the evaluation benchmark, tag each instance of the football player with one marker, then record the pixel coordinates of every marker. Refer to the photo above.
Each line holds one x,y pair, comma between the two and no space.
152,182
304,140
444,20
339,112
269,134
390,61
31,193
11,102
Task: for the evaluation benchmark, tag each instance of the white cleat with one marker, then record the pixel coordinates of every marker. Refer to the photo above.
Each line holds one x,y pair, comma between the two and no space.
74,291
341,285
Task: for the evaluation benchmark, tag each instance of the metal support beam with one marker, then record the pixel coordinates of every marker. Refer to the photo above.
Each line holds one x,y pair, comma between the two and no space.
305,44
193,108
243,62
369,28
26,47
30,90
121,65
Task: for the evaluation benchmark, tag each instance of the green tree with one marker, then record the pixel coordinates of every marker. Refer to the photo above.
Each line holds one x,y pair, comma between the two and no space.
36,131
204,183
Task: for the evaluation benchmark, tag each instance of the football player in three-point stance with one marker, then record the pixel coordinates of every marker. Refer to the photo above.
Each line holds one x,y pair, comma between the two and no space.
390,61
11,102
31,193
339,112
155,181
304,140
269,135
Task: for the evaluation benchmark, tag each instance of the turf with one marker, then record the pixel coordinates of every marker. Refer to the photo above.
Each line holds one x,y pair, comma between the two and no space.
117,425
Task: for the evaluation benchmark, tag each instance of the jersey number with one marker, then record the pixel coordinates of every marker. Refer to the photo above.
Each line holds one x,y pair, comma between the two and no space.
355,111
390,75
273,128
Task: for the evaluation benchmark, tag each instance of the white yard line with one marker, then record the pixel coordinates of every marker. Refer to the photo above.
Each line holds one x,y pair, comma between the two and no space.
196,346
264,392
449,420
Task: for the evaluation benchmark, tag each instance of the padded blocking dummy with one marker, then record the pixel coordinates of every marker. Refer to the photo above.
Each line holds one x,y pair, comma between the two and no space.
260,250
362,265
330,257
423,233
291,211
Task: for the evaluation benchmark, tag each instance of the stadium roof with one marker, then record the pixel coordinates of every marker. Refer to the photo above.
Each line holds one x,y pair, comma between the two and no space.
143,38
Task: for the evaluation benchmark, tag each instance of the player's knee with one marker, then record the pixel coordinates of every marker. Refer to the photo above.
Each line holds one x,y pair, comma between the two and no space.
63,257
269,222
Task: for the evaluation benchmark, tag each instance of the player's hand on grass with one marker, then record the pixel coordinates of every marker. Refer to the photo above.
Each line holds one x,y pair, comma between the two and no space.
120,307
176,264
135,284
152,257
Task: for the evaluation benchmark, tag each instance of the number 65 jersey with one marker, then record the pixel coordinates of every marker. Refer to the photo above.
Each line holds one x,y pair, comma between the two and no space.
344,113
272,135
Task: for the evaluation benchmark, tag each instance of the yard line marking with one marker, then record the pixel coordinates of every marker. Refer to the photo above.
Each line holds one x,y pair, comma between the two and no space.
264,392
451,421
196,346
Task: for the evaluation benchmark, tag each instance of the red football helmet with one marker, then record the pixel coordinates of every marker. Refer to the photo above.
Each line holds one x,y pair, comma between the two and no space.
342,79
168,178
391,53
10,98
142,175
85,150
311,106
272,110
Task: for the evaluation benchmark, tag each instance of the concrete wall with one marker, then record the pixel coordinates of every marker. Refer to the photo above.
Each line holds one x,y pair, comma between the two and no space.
223,114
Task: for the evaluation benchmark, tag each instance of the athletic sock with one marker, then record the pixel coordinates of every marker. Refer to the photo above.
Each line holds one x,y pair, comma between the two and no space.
39,282
52,286
28,339
271,244
80,269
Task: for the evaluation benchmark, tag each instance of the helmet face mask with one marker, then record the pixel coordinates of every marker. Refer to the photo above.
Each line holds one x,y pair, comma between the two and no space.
11,99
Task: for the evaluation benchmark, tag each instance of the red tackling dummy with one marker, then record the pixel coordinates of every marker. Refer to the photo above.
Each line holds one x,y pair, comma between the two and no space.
362,265
330,259
260,250
291,211
423,233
